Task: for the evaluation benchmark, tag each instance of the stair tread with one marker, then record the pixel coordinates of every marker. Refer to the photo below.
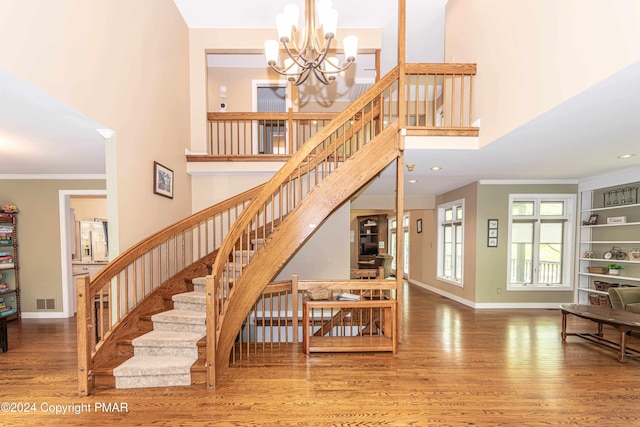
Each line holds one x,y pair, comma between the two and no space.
107,367
199,280
148,316
180,316
127,339
154,365
197,297
168,339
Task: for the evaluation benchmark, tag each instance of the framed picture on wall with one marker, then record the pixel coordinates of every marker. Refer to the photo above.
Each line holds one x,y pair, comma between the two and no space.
162,180
492,233
419,225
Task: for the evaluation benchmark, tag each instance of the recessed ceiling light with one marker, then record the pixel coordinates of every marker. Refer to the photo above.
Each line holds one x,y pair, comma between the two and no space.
413,181
625,156
436,168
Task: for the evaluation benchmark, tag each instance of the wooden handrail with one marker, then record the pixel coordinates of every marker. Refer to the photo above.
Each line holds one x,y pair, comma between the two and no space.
437,101
349,132
176,253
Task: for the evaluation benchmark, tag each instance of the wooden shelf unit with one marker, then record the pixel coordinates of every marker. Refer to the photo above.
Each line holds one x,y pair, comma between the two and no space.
372,237
10,271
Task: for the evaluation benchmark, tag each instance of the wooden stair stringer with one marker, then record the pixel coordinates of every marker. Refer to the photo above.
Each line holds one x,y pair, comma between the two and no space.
286,239
153,302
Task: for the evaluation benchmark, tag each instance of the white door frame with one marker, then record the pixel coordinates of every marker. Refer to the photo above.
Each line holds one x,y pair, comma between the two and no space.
66,242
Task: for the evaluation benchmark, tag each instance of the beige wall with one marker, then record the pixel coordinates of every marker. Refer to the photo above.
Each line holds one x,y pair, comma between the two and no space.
485,269
211,189
422,247
125,64
534,54
87,208
208,40
39,234
239,88
470,195
325,255
491,269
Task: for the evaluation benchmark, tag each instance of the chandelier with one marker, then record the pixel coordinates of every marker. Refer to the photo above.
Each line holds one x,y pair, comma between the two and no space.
307,48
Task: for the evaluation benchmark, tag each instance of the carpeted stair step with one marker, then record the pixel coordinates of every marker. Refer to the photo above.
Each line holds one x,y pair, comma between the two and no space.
195,301
180,321
154,371
199,284
167,343
257,243
243,257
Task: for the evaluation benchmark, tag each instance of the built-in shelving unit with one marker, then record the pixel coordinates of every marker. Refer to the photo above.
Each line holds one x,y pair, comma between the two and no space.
609,234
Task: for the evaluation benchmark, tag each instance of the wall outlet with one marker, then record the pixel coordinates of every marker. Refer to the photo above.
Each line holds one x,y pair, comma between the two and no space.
499,290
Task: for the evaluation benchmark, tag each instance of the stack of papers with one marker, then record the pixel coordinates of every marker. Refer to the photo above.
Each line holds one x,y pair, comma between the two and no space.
348,297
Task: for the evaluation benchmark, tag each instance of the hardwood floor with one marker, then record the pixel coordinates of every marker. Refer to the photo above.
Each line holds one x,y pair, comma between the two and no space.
456,366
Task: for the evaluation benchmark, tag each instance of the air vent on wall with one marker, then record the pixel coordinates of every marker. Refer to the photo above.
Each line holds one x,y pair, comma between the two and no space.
45,304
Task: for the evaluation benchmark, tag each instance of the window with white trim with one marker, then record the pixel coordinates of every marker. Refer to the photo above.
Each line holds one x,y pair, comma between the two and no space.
451,241
540,241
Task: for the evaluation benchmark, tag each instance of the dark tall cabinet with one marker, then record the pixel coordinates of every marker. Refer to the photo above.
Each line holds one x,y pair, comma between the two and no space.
372,238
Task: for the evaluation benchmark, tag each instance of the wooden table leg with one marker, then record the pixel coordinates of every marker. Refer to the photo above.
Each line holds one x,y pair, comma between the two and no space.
564,326
4,336
623,345
599,329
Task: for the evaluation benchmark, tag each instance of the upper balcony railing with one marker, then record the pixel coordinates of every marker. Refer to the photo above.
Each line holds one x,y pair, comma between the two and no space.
438,100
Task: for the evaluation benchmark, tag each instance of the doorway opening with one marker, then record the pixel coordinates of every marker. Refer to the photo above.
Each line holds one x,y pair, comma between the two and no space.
270,96
69,244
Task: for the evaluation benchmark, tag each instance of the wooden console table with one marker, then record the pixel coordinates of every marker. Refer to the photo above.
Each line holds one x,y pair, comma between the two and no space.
387,340
619,319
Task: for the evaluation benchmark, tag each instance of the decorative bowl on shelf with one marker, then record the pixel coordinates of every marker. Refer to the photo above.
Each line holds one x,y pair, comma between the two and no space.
598,270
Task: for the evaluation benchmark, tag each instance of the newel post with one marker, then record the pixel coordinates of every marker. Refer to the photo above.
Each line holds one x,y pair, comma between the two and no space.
85,327
212,310
294,308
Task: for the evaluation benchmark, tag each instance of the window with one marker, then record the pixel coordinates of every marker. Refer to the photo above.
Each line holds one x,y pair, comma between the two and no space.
393,235
450,241
540,241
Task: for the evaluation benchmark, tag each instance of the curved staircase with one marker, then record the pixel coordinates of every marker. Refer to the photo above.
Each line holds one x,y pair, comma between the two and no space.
196,334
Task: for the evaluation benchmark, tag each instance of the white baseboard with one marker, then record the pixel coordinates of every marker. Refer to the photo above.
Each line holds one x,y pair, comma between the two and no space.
487,305
44,315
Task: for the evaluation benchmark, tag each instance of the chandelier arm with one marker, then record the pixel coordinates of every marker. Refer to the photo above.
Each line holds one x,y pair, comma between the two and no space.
321,75
323,53
303,78
274,68
339,70
296,58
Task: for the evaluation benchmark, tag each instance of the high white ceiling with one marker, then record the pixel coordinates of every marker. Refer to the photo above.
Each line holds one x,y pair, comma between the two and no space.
579,138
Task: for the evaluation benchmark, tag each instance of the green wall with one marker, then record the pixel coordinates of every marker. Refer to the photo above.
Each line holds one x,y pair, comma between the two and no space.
39,234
